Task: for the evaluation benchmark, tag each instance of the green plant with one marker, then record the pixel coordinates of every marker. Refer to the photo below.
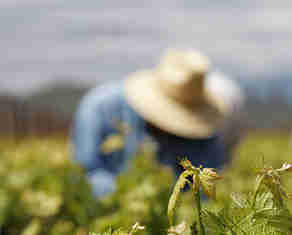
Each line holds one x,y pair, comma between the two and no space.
262,211
202,178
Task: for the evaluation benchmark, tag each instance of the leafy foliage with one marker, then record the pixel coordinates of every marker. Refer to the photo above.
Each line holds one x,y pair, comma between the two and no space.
44,192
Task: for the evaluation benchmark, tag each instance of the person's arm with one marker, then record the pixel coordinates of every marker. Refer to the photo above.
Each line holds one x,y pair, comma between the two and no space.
87,137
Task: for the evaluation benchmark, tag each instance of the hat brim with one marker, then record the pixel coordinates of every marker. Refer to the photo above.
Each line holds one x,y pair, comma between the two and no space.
199,121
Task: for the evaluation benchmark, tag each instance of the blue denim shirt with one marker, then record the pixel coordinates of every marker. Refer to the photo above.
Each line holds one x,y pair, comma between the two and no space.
96,121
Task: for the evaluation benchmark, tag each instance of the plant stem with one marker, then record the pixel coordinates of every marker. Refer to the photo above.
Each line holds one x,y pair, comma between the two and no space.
199,213
256,190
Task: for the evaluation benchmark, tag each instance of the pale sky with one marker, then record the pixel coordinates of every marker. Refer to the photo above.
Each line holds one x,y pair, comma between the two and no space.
89,41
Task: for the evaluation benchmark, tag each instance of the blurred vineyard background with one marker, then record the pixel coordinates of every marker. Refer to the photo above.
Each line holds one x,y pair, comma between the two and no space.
44,192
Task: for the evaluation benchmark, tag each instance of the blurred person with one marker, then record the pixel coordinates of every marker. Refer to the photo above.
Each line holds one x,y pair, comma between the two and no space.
180,105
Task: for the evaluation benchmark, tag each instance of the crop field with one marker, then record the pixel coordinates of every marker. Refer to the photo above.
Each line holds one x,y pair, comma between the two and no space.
44,192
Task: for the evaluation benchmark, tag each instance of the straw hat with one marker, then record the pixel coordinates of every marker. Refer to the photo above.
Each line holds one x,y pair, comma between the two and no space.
173,96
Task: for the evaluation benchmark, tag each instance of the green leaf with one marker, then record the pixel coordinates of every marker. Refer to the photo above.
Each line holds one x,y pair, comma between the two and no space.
208,176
